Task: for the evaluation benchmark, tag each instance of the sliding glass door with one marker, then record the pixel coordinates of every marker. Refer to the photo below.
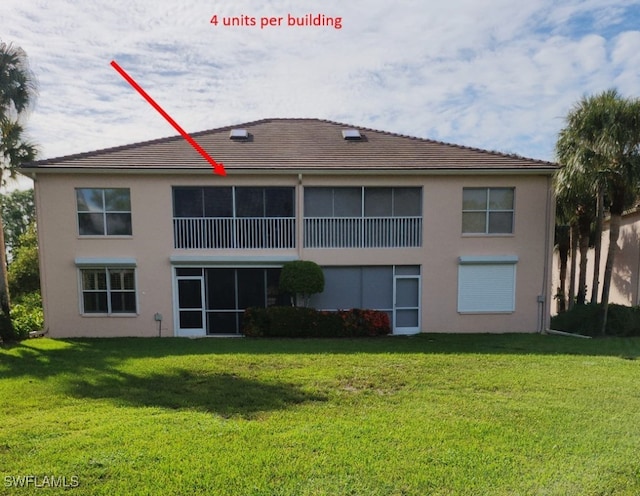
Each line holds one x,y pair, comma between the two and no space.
388,288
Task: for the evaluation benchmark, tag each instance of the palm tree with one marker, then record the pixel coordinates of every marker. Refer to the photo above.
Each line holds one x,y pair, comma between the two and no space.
575,207
562,244
586,215
600,145
14,150
16,79
597,251
17,93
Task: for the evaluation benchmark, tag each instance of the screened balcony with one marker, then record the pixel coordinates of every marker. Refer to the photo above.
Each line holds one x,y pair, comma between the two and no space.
362,217
224,233
233,218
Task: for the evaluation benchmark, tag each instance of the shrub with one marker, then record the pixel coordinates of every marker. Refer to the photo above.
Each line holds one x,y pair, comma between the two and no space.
283,322
308,322
255,321
24,272
329,325
302,278
622,321
358,322
27,315
289,321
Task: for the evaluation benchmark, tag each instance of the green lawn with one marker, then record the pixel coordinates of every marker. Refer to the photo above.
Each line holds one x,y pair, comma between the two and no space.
433,414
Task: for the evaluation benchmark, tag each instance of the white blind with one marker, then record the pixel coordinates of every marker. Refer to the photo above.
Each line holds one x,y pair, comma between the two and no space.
486,287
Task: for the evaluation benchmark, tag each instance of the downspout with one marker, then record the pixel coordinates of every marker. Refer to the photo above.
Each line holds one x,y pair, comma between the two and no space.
544,305
299,206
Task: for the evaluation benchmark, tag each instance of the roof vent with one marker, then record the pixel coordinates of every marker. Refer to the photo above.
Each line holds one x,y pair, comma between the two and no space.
239,134
351,134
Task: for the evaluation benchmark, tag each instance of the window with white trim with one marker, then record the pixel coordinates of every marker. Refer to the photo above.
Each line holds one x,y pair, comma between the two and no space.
104,211
108,290
487,284
487,210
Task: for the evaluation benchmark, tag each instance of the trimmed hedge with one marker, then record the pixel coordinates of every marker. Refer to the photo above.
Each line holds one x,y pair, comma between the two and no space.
301,278
622,321
297,322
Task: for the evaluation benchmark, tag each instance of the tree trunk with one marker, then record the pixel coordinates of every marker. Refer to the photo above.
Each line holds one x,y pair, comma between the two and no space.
614,231
584,223
597,253
5,304
564,245
574,256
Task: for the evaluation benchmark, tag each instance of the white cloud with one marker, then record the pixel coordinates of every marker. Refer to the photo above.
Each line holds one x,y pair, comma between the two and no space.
625,55
493,74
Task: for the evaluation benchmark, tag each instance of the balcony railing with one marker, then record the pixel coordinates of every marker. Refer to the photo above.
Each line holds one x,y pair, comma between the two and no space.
280,232
230,232
362,232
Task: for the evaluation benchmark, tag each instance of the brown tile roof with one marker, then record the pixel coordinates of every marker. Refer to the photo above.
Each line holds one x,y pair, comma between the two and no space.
295,144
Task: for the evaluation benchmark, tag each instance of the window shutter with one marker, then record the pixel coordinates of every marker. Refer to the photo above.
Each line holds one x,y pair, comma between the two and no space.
486,285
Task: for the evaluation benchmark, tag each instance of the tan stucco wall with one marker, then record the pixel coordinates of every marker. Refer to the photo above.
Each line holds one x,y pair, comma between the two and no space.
61,245
625,280
152,245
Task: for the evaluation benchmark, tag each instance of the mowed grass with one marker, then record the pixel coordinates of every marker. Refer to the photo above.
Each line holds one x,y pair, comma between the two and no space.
427,415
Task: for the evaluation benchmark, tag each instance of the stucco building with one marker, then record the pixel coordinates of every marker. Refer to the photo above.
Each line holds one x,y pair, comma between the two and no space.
145,239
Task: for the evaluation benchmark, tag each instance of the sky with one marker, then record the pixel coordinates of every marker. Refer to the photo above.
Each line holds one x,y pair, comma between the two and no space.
493,74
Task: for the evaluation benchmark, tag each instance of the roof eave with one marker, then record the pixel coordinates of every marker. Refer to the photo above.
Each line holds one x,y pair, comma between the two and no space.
438,171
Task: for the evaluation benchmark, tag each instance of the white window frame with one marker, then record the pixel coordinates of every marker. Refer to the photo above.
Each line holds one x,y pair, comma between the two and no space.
106,265
487,211
476,295
104,213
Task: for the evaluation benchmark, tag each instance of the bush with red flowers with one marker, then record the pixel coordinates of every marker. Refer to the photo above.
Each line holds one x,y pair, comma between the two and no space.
308,322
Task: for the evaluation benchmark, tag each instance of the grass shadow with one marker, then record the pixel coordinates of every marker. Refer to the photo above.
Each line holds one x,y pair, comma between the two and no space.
45,357
226,395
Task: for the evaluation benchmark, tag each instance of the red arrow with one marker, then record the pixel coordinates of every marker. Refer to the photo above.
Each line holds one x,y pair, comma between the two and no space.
218,168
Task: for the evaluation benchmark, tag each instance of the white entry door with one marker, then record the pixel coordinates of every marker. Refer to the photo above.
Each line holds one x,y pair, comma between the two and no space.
190,296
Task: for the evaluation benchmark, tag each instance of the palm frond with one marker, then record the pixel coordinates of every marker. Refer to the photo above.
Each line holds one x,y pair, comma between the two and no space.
18,86
14,148
600,145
